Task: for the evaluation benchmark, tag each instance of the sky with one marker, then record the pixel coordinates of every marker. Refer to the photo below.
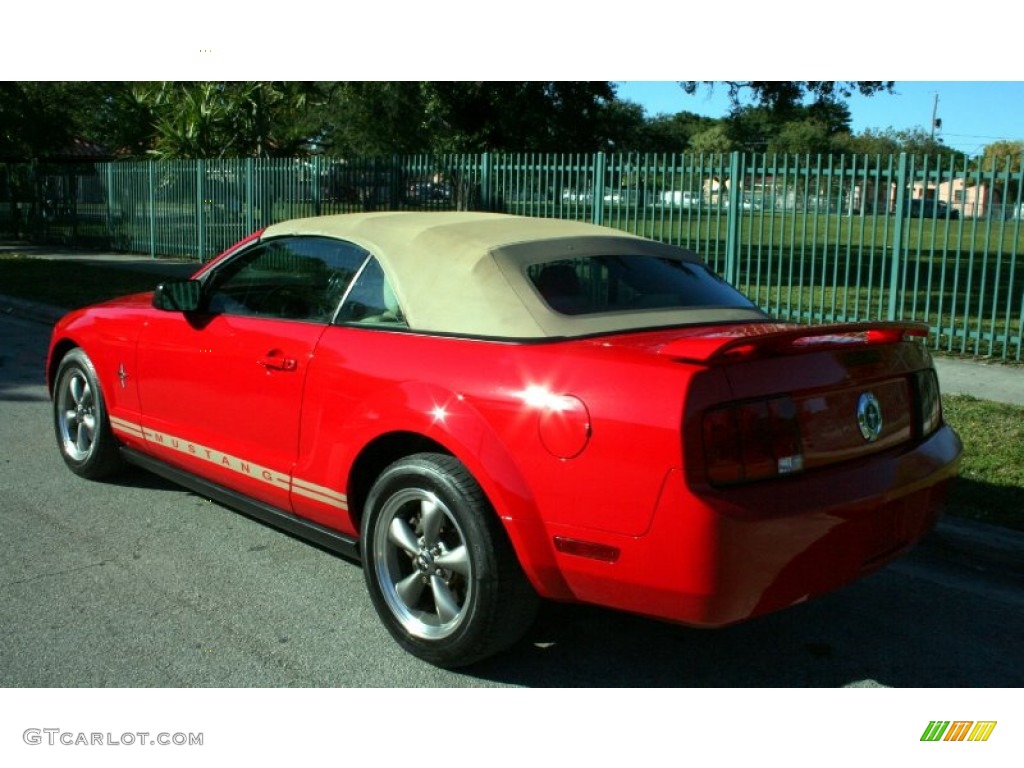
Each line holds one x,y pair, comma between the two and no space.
973,113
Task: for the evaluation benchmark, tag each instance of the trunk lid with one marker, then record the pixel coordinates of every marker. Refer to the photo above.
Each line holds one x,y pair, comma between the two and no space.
779,399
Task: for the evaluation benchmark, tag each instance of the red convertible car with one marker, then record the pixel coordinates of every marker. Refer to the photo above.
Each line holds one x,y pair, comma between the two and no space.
489,410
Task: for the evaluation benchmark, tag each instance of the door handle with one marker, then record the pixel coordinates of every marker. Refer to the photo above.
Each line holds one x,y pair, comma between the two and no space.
275,360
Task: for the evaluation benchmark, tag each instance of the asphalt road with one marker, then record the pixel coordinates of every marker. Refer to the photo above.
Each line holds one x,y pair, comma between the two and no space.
139,583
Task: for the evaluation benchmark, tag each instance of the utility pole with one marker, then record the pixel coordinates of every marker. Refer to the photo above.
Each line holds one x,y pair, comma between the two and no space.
936,122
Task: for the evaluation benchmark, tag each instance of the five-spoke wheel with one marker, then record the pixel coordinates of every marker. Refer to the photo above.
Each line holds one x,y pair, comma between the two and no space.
422,563
80,419
440,570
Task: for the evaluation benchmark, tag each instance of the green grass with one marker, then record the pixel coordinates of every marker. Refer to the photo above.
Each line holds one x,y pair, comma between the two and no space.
990,488
67,283
965,278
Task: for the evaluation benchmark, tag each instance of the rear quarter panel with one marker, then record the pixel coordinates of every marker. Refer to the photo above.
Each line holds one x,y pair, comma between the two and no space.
470,397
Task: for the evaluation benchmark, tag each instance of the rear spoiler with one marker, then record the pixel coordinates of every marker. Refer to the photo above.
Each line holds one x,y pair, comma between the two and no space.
776,340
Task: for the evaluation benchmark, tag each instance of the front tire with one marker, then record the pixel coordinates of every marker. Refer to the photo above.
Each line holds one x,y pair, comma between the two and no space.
86,442
440,570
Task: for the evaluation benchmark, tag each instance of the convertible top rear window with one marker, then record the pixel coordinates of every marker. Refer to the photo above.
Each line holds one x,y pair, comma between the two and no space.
597,284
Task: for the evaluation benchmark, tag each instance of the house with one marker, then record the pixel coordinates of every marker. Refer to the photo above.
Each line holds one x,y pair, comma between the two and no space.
976,200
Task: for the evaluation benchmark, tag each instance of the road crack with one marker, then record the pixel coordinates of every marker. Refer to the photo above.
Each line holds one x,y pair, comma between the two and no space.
50,574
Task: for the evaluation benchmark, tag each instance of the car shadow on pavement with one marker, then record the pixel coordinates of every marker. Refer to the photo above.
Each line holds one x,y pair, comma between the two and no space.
926,620
896,628
135,477
20,381
887,630
989,503
16,394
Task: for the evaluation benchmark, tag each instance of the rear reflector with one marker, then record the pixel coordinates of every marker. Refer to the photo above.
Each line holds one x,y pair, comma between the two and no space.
589,549
752,441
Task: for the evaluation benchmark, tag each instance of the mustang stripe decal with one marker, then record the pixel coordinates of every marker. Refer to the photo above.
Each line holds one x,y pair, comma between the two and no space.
299,487
319,493
126,426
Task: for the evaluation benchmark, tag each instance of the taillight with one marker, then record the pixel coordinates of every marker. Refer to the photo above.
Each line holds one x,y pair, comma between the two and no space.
752,441
928,409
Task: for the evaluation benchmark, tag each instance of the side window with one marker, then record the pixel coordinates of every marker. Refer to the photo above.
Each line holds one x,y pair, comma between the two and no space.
372,300
292,278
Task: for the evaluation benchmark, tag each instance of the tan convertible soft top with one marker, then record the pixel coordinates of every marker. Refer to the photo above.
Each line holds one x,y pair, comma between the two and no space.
464,273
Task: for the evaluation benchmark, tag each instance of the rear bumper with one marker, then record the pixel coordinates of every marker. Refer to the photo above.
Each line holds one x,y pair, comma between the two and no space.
716,557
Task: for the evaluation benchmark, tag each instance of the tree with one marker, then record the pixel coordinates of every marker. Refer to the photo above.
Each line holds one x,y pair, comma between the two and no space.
670,133
870,142
802,128
464,116
916,142
802,136
232,119
34,120
782,96
713,139
625,127
261,119
1002,156
236,119
920,143
374,119
44,119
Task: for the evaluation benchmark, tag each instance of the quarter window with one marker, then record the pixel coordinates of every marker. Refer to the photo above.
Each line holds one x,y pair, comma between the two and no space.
372,300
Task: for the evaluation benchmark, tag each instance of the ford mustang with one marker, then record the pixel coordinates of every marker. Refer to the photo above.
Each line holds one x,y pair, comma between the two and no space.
488,410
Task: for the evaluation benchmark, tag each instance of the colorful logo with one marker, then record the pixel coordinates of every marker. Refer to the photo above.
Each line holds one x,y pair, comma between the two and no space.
958,730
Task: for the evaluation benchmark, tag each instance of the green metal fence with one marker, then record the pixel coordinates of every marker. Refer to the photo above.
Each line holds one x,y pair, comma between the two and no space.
809,237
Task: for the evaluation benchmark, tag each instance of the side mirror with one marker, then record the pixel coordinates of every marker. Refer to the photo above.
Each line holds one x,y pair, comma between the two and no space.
178,295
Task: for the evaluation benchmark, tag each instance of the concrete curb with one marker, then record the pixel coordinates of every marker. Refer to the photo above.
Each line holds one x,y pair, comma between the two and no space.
985,380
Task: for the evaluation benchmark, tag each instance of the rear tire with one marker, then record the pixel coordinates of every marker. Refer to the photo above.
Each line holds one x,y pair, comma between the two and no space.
440,570
86,442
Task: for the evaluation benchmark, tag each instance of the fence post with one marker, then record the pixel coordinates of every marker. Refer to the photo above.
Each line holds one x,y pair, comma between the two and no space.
108,181
250,196
316,185
485,181
597,203
35,217
733,218
897,239
152,209
200,217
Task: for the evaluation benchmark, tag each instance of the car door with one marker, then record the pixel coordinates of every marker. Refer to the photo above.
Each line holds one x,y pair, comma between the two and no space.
221,388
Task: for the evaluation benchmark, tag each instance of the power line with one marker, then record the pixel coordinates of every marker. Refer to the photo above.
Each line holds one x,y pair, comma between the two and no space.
987,138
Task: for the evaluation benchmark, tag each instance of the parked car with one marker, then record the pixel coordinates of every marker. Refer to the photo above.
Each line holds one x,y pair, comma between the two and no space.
674,198
488,410
570,195
429,192
623,196
746,203
929,209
